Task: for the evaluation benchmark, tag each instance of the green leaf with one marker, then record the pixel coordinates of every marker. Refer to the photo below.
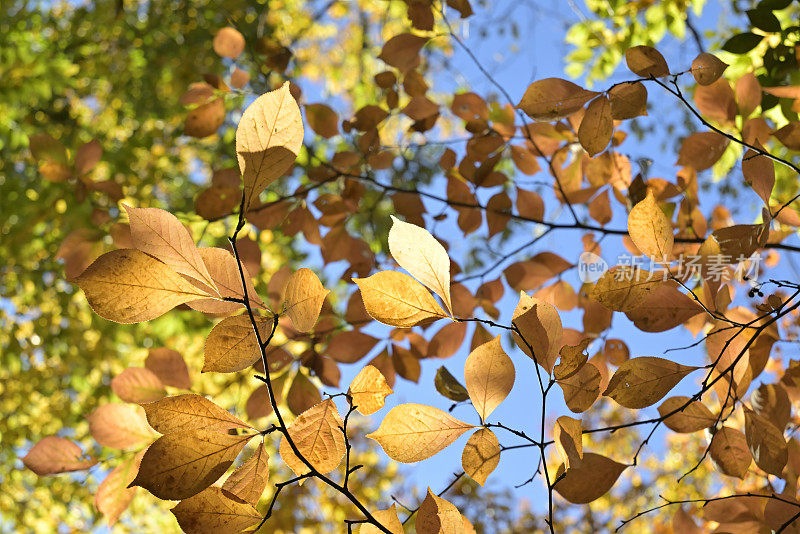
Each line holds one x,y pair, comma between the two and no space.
742,43
774,5
763,19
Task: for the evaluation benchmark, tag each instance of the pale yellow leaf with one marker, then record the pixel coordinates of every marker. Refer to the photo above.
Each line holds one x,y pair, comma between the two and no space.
232,345
568,436
419,253
481,455
212,512
53,455
387,518
248,481
396,299
413,432
303,299
650,229
120,426
369,390
489,377
268,140
113,494
186,412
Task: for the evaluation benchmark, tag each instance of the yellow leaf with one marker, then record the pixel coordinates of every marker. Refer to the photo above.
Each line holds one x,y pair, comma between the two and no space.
369,390
268,140
582,388
650,229
248,481
553,98
137,384
225,272
624,288
184,463
730,453
646,61
387,518
540,327
437,516
186,412
396,299
481,455
489,377
113,494
568,437
212,512
232,345
572,359
128,286
590,480
120,426
419,253
596,126
318,437
304,298
766,443
696,416
413,432
160,234
641,382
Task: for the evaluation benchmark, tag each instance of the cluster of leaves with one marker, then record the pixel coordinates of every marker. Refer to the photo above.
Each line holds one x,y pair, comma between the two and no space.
157,266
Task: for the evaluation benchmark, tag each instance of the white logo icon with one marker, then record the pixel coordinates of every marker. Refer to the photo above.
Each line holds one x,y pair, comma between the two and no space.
591,267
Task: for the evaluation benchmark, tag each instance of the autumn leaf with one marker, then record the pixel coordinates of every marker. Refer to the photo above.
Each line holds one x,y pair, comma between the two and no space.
187,412
413,432
707,68
553,98
318,437
232,345
437,516
268,140
128,286
489,377
161,235
228,42
481,455
368,390
695,416
539,328
581,389
766,443
641,382
650,229
568,438
398,300
225,271
730,453
169,366
446,384
120,426
113,495
590,480
53,455
248,481
419,253
596,126
183,463
138,384
387,518
573,357
628,100
304,297
212,512
624,288
759,173
646,61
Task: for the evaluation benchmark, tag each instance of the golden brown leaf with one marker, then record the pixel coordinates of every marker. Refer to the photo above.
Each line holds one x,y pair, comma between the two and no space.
641,382
322,119
232,345
696,416
646,61
225,272
413,432
707,68
113,494
553,98
302,395
120,426
539,328
228,42
169,366
573,357
396,299
53,455
248,481
318,437
701,150
596,126
186,412
766,443
128,286
489,377
590,480
137,384
304,297
759,173
582,388
481,455
212,512
628,100
402,51
437,516
369,390
568,437
387,518
650,229
624,288
268,140
730,453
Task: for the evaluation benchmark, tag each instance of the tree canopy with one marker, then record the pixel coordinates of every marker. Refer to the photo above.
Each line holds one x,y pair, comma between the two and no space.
257,256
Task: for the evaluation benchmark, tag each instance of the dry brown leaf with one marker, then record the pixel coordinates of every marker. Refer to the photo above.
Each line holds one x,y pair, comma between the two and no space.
387,518
701,150
368,390
696,416
707,68
396,299
318,437
759,173
402,51
628,100
186,412
772,402
322,119
650,229
247,483
304,297
481,455
113,494
413,432
553,98
161,235
232,345
419,253
489,376
596,126
184,463
662,309
228,42
590,480
582,389
268,140
120,426
646,61
137,384
128,286
212,512
624,288
730,453
748,94
568,437
766,443
539,328
87,156
641,382
437,516
302,395
573,357
53,455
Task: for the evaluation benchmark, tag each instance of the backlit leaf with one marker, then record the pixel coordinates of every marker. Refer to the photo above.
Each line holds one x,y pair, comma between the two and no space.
232,345
539,328
419,253
212,512
582,389
646,61
553,98
413,432
228,42
318,437
137,384
120,426
707,68
489,376
568,437
169,366
596,126
641,382
128,286
481,455
113,494
572,359
304,297
53,455
396,299
590,480
387,518
624,288
369,390
437,516
248,481
730,453
187,412
766,443
696,416
759,173
628,100
268,140
650,229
